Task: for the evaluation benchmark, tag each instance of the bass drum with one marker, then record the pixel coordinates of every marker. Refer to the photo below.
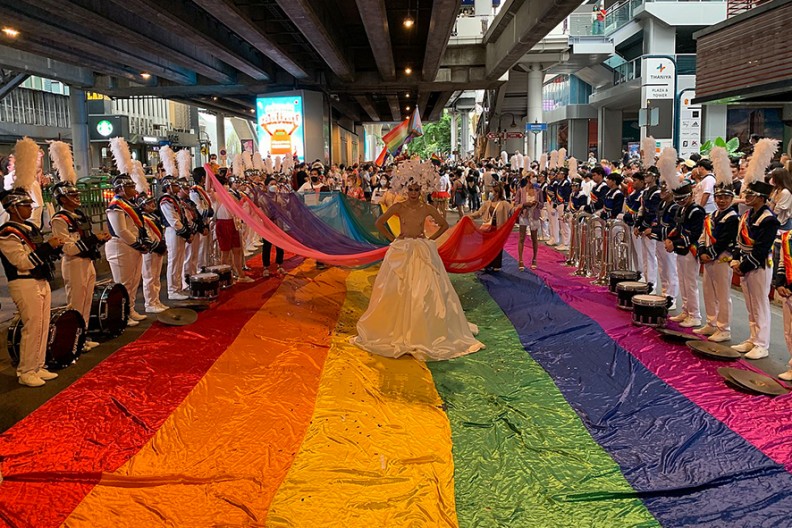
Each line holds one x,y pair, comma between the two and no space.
65,339
109,309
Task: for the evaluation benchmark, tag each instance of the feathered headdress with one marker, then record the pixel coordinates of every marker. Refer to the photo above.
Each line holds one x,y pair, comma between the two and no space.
721,165
763,154
423,173
648,152
184,159
168,158
25,163
562,156
258,163
247,160
62,159
667,164
278,161
121,155
504,157
238,166
573,166
139,177
543,161
553,160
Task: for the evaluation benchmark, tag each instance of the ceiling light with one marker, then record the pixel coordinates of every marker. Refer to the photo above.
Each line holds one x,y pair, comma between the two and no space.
145,75
252,110
407,95
408,70
409,22
408,108
214,98
10,32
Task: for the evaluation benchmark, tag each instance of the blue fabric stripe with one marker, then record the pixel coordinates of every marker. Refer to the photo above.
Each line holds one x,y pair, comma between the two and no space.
688,468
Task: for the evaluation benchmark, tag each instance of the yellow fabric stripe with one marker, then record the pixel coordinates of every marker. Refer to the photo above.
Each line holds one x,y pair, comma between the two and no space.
378,452
220,457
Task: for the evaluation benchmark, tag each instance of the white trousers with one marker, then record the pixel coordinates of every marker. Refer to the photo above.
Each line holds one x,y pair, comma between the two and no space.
33,299
756,290
687,269
565,226
639,248
176,248
717,294
544,224
555,236
152,270
667,267
191,254
126,265
649,270
205,249
79,277
788,326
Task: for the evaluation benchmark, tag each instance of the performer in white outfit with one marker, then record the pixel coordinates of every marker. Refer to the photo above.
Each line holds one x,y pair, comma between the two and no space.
414,308
177,235
152,261
203,202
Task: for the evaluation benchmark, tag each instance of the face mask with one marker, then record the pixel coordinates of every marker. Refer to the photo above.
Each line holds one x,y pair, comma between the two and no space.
272,188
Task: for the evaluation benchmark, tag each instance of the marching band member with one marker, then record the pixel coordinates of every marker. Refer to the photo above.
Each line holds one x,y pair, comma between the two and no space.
563,196
752,259
715,253
552,212
203,202
193,214
598,191
152,261
783,284
632,204
613,203
81,245
682,239
178,233
657,215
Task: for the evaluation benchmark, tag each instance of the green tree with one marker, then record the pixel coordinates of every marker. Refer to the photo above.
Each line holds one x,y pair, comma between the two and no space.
436,138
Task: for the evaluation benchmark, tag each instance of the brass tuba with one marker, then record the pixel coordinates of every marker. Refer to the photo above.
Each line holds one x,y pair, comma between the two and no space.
620,246
598,249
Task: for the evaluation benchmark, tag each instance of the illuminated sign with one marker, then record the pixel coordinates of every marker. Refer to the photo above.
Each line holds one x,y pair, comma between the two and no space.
104,127
280,126
150,139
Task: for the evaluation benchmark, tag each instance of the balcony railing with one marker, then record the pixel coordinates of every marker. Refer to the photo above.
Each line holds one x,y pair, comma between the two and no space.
685,65
621,13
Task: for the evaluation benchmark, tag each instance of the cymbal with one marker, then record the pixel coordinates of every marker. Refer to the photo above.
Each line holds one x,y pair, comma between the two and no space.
757,382
713,350
177,317
674,335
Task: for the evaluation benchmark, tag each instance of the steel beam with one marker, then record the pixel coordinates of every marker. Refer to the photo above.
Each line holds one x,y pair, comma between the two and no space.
196,90
395,107
375,22
422,102
229,14
444,13
364,103
437,110
25,61
317,28
12,83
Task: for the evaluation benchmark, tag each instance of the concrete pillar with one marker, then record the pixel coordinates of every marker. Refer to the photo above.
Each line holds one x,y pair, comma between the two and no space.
714,122
609,143
221,139
454,133
578,138
535,113
659,38
78,111
483,7
464,147
195,125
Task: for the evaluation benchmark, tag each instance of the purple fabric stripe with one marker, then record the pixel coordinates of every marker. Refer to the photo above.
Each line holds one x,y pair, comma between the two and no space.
764,422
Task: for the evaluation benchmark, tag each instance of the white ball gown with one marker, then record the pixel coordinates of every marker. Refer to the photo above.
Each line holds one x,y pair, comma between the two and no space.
414,309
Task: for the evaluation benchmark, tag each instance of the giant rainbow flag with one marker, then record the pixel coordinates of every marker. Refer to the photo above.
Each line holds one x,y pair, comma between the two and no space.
263,414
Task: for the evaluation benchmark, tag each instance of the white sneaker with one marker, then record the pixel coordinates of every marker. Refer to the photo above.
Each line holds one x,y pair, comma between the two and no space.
562,248
281,270
265,273
757,353
90,345
156,309
679,317
245,279
46,375
745,346
690,322
177,296
786,376
673,305
136,316
163,306
132,322
31,380
706,330
720,336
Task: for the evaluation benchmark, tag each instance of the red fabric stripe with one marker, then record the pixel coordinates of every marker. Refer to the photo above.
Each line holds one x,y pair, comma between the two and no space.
54,457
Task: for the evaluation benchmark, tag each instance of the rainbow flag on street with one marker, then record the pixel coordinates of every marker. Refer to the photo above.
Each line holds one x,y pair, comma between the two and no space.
399,136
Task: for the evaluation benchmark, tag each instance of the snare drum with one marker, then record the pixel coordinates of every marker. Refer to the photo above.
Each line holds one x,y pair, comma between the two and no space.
204,285
622,276
224,272
626,291
65,339
650,310
109,309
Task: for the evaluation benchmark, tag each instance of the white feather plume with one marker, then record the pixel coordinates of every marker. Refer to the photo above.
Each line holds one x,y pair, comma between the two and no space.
762,156
247,160
25,163
184,159
573,167
278,162
648,152
62,159
504,157
258,163
543,161
268,164
121,155
667,165
139,177
168,158
721,165
553,160
562,156
238,166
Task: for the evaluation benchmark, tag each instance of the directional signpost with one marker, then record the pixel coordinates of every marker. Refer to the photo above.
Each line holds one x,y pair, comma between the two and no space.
535,129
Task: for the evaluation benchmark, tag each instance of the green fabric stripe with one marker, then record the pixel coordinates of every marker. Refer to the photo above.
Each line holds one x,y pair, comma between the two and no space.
522,456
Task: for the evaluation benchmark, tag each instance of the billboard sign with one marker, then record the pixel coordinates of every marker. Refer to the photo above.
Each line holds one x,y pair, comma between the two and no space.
280,126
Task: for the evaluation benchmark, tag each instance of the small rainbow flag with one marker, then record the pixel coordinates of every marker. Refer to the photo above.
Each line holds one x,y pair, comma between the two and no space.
400,136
